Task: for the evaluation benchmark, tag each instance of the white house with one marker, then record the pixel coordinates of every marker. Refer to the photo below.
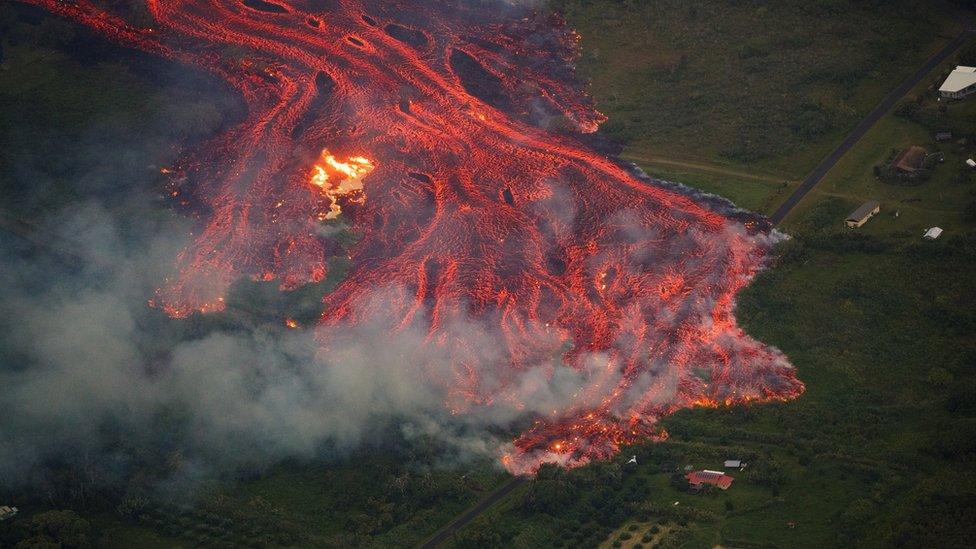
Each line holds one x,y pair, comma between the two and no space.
960,83
932,233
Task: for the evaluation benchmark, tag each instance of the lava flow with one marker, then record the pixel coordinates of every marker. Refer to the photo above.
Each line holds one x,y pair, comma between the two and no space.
455,138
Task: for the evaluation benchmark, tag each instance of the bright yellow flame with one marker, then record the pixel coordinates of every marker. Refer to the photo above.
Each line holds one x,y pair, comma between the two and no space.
337,179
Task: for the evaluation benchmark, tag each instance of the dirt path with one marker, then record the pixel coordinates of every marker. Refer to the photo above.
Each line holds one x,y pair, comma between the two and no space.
702,167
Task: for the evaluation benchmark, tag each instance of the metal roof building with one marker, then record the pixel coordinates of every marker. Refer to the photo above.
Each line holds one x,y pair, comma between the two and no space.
861,215
716,478
960,83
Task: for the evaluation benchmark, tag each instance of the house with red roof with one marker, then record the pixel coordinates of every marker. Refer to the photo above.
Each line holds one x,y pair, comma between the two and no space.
697,479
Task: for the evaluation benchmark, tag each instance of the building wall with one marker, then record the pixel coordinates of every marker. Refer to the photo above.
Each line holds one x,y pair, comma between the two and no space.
860,222
960,94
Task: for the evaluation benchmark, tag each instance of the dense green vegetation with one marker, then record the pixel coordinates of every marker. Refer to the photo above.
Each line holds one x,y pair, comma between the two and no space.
379,498
376,498
767,86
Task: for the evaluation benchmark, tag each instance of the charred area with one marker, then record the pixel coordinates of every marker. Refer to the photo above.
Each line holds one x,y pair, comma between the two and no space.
411,37
265,6
478,81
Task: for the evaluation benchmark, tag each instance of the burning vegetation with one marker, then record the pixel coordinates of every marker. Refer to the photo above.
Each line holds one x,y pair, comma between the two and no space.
489,206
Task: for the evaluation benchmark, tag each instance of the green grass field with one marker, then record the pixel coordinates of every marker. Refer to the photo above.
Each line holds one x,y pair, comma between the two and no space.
767,88
939,201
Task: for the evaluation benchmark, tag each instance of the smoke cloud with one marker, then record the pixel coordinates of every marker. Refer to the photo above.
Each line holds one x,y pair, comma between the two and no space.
84,354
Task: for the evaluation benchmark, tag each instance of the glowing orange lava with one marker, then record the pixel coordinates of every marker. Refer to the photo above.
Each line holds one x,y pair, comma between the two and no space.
496,223
340,179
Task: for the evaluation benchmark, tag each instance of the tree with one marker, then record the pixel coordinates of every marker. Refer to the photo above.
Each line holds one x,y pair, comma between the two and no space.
58,529
479,534
38,542
679,482
940,377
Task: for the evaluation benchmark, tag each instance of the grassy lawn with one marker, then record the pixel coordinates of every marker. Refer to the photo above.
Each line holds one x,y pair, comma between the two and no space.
697,82
938,201
749,191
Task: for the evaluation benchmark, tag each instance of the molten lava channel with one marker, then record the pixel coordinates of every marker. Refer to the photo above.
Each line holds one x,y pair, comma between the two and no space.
524,254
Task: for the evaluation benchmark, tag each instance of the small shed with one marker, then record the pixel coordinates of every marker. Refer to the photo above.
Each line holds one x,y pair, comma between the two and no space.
971,163
734,464
932,233
861,215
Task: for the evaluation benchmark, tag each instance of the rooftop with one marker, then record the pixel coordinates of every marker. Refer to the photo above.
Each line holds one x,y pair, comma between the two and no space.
715,478
910,159
864,211
959,79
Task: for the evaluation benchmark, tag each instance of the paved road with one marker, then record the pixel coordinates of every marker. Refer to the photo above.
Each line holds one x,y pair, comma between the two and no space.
827,163
473,512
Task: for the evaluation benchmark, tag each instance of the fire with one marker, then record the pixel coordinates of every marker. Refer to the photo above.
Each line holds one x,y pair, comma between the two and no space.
340,179
483,217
